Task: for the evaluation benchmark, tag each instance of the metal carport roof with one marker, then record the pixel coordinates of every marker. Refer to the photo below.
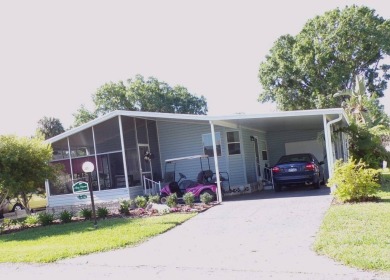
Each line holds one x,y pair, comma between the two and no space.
286,120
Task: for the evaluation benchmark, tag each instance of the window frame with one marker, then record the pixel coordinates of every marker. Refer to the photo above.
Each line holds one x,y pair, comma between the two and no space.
228,143
218,144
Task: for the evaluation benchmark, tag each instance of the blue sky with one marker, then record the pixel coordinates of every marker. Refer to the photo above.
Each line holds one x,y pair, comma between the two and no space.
55,54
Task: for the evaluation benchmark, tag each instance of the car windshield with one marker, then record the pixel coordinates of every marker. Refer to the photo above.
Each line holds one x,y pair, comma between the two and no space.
294,158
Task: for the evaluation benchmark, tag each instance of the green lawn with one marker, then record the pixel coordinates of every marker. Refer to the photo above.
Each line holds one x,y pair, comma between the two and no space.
358,234
55,242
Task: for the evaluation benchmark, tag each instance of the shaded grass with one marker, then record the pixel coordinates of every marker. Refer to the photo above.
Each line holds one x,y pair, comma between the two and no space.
55,242
358,234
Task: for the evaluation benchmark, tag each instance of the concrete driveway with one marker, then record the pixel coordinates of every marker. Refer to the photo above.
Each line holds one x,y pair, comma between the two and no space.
260,236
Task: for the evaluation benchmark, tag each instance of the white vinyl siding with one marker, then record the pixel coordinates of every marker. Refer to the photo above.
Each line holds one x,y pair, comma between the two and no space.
99,196
181,140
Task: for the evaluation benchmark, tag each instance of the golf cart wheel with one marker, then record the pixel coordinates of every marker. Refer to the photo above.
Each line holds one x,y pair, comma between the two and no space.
17,207
163,199
210,193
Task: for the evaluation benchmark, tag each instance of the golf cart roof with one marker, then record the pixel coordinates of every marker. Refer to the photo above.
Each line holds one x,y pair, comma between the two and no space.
185,158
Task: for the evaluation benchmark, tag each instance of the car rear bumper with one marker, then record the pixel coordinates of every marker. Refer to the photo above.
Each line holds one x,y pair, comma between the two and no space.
297,179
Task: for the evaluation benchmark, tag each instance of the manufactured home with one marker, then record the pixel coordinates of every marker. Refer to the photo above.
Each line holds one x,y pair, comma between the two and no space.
128,150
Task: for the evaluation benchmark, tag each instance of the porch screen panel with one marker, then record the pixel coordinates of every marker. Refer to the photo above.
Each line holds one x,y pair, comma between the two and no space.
141,131
81,144
131,150
107,136
63,183
82,150
80,175
60,149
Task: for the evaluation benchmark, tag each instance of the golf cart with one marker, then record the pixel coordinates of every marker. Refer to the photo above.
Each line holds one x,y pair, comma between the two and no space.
177,182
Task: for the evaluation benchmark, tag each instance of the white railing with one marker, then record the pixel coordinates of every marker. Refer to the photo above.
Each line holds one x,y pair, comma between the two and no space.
268,176
151,187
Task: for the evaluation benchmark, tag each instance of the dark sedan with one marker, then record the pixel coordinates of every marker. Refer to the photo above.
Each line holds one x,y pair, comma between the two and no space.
297,169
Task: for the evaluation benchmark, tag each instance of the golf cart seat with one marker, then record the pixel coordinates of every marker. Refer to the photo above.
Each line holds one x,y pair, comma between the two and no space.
205,177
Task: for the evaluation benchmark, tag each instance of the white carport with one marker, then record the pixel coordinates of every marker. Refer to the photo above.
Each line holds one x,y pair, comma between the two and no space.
324,119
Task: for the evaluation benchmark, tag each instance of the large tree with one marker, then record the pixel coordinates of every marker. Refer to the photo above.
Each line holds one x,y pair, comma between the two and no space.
304,71
138,94
24,166
49,127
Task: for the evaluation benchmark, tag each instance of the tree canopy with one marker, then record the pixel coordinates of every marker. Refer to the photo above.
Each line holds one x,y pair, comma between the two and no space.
49,127
138,94
304,71
24,165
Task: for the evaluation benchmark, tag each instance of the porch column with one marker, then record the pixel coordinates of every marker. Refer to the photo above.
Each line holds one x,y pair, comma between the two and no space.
123,153
70,160
219,193
96,159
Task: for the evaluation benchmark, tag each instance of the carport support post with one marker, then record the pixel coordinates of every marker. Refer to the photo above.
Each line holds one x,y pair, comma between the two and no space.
328,142
219,193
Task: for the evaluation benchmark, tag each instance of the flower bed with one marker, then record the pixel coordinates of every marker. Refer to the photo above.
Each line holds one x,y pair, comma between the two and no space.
13,225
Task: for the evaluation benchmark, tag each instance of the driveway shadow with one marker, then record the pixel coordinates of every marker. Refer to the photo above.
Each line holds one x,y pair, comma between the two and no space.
296,191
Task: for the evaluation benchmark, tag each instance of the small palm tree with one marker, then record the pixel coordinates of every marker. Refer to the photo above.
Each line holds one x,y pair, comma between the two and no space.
355,100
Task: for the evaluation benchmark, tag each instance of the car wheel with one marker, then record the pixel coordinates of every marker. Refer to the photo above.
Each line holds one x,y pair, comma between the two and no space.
17,207
323,181
277,187
317,184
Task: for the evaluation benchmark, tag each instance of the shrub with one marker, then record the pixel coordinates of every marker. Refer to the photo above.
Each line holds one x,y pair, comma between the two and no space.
86,213
385,181
154,198
66,216
31,220
354,181
102,212
140,201
172,200
124,206
7,222
45,219
206,198
189,198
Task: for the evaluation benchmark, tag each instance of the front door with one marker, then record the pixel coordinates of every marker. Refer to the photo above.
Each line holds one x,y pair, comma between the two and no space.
264,160
144,162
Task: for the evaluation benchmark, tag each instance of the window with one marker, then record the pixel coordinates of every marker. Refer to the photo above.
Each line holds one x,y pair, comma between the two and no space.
208,144
233,140
264,154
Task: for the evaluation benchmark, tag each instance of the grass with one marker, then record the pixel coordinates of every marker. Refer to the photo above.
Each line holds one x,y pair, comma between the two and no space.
358,234
55,242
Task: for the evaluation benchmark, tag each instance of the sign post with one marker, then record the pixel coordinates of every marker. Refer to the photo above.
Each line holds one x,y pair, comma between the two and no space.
88,167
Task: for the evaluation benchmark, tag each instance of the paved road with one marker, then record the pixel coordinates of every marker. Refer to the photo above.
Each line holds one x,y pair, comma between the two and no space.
263,236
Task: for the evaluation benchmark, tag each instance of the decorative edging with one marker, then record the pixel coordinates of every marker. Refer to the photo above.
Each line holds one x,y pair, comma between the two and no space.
245,189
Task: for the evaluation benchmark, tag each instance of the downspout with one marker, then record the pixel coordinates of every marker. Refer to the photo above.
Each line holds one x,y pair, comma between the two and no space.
328,142
219,193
